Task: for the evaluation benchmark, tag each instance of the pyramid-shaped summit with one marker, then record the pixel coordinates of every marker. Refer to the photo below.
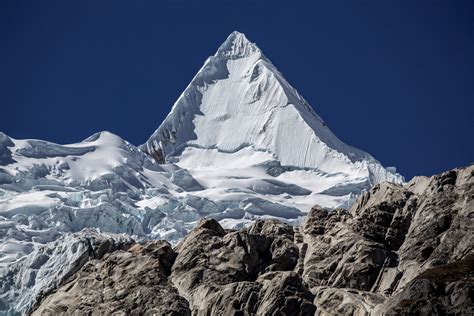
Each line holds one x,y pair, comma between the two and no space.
238,102
237,46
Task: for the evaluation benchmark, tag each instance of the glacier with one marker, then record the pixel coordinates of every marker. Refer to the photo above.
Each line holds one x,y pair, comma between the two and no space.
240,143
248,103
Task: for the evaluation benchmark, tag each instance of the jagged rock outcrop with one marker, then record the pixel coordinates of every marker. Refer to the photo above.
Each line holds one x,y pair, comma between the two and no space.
398,250
443,290
248,271
35,276
383,255
211,272
133,281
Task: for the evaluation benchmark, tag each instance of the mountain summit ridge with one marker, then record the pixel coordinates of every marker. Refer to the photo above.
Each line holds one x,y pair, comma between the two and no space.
237,45
239,99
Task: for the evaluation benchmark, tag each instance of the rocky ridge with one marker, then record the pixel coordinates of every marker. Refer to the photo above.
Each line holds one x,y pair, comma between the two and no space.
397,250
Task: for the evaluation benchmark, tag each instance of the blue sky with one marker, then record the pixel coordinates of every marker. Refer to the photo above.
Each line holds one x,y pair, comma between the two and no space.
394,78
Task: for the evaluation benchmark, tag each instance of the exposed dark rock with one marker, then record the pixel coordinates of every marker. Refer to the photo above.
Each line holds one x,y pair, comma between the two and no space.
398,250
213,265
444,290
133,282
388,252
5,152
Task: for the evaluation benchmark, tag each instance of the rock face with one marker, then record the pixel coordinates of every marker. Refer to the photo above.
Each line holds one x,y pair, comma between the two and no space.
132,281
247,271
45,268
211,272
398,250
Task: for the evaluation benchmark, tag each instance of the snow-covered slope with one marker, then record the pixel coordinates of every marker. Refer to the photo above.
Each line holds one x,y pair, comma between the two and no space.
238,100
239,143
50,191
239,114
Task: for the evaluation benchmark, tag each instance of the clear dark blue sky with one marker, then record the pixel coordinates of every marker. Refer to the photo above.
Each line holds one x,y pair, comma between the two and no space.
394,78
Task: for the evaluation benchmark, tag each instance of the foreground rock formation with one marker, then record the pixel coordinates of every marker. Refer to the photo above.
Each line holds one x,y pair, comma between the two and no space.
399,249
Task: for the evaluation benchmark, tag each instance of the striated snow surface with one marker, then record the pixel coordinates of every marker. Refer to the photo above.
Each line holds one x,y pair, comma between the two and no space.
247,102
238,144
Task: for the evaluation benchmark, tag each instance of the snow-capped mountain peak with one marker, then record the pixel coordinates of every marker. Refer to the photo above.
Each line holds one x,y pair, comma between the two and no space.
237,100
237,46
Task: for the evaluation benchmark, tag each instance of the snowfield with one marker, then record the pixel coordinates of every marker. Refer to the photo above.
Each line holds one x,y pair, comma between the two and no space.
238,144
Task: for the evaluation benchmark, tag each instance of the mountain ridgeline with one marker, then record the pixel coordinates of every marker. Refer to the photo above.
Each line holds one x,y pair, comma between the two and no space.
237,100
